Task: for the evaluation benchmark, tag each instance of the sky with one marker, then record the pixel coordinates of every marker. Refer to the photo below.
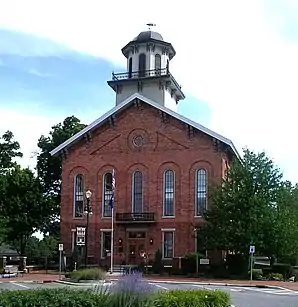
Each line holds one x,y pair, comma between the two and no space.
236,60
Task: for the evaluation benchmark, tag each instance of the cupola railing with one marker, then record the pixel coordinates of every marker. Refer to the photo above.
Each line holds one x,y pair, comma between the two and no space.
140,74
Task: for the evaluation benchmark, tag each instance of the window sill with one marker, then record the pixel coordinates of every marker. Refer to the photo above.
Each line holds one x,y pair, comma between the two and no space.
78,217
106,217
198,216
168,217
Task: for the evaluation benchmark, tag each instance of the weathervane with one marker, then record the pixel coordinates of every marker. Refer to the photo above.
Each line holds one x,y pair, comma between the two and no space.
151,25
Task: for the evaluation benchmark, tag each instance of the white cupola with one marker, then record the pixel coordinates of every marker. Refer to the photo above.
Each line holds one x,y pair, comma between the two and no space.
148,71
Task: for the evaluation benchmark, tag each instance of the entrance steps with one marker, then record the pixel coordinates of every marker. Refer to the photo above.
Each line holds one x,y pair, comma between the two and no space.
116,269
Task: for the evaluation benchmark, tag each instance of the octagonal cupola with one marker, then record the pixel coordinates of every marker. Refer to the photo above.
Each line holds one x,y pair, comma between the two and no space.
148,71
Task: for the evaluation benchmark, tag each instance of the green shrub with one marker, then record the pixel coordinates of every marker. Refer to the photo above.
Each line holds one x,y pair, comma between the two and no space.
283,268
66,297
51,298
257,274
266,271
157,266
87,274
196,298
275,276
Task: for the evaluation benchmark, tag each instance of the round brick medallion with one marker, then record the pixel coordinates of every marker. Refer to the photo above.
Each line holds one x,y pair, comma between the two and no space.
137,141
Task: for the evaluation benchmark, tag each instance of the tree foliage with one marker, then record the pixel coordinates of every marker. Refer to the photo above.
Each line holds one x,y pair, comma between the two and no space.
9,149
49,168
23,206
40,251
252,206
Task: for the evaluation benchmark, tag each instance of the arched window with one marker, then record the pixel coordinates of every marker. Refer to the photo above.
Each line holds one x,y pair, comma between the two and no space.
201,192
130,68
157,64
107,195
78,195
168,199
142,65
137,192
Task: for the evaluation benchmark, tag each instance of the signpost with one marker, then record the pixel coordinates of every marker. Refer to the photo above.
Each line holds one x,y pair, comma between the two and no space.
60,259
251,251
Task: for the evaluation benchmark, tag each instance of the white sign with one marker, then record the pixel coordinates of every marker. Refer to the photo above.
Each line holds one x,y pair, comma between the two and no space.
252,249
204,261
60,247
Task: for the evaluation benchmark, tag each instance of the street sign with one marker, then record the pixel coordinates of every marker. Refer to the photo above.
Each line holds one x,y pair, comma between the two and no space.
252,249
60,247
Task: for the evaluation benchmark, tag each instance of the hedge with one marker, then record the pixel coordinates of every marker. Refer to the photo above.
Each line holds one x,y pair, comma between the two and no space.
65,297
195,298
86,274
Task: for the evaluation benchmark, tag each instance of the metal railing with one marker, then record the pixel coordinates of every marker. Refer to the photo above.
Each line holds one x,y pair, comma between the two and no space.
140,74
135,217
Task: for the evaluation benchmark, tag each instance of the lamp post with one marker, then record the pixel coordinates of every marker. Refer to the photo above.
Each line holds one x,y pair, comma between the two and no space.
87,212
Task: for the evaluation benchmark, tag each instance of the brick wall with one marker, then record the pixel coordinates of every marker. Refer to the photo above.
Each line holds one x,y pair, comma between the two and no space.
167,144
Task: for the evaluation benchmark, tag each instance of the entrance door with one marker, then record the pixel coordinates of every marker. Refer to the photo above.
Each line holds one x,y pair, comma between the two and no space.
132,253
135,250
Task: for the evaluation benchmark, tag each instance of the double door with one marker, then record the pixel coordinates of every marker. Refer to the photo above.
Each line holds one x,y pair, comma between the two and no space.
136,247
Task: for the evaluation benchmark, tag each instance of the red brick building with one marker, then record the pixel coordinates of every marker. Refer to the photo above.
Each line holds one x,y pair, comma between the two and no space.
163,165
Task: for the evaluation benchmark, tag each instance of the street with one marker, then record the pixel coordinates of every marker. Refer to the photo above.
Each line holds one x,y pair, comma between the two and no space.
241,296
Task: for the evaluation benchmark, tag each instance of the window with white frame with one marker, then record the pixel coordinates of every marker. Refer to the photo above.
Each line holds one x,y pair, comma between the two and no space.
107,194
168,198
157,63
137,192
201,192
168,244
105,243
142,65
130,68
78,195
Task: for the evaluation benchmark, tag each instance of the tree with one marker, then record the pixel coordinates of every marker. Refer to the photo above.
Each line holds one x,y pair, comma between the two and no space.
32,250
243,209
286,222
9,149
39,251
48,247
23,206
49,168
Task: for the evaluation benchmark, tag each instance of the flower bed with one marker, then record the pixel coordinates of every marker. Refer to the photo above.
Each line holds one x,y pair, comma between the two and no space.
129,291
87,274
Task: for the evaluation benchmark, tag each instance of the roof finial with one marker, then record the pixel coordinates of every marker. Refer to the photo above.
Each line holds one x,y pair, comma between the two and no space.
150,25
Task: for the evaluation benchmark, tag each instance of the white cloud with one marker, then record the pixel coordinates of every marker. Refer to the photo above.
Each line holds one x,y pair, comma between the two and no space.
27,128
228,54
35,72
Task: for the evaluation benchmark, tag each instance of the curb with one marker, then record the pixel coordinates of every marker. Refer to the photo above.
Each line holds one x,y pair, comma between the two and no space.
65,282
28,281
210,284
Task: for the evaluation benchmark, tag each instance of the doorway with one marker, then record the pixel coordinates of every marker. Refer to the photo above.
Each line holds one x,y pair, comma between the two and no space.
136,247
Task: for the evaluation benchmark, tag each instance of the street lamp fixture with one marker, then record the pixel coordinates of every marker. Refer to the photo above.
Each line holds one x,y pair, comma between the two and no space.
88,194
87,212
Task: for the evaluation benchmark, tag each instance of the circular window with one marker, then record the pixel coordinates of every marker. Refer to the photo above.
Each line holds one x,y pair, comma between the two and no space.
137,141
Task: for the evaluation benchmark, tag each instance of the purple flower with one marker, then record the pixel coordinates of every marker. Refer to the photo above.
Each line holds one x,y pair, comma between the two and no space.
133,283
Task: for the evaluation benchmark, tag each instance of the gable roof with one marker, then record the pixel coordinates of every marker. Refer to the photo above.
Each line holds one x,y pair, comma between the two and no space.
125,104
